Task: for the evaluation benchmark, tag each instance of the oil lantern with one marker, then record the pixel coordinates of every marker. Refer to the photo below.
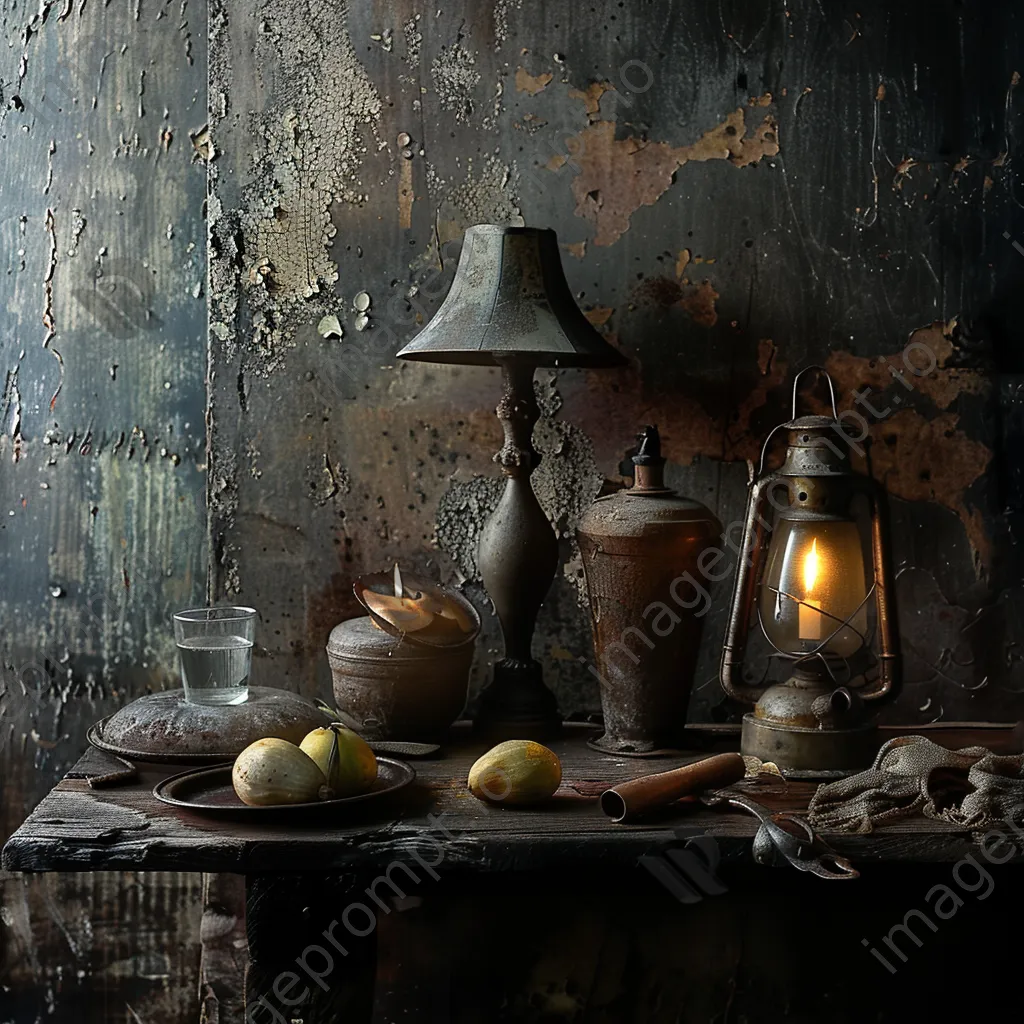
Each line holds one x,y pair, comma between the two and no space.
814,568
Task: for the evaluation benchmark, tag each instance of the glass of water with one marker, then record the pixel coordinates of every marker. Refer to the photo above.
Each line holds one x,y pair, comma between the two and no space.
215,647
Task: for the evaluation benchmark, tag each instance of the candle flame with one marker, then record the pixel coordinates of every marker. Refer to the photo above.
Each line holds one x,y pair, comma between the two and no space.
811,568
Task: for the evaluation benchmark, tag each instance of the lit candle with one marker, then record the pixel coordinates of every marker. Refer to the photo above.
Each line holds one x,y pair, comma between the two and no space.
811,620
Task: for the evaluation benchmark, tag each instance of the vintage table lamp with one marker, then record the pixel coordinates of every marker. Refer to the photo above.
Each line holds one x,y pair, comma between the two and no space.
812,584
510,306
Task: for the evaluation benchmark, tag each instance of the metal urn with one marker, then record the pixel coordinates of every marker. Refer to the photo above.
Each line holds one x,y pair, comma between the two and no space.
645,552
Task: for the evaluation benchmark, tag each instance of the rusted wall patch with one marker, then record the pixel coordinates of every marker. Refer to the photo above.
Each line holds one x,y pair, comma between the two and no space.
532,84
619,175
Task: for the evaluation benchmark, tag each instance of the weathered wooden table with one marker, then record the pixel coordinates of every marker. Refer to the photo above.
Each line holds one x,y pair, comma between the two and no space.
315,891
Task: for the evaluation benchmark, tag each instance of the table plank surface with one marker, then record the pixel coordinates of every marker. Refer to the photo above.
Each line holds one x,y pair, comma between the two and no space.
77,828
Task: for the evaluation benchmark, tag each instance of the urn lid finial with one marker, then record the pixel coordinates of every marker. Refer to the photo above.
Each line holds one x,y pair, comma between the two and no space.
649,477
649,448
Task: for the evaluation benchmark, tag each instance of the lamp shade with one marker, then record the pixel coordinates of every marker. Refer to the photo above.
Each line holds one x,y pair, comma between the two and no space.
509,298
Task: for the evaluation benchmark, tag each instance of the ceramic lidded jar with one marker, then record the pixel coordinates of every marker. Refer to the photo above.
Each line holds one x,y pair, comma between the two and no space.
641,551
402,671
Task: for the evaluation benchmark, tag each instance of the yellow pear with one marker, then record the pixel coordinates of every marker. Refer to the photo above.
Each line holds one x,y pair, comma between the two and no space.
274,771
344,757
516,772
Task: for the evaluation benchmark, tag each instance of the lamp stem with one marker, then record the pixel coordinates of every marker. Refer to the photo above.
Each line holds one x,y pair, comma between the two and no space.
517,557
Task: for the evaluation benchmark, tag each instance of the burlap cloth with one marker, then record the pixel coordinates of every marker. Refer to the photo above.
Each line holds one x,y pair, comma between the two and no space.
912,775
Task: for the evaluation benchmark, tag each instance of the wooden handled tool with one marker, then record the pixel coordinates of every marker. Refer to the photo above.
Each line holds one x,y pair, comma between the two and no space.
630,800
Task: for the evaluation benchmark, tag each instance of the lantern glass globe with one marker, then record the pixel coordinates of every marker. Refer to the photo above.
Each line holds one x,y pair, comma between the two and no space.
813,588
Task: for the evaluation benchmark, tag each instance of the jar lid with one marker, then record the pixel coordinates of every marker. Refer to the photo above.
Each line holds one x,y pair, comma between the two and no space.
360,639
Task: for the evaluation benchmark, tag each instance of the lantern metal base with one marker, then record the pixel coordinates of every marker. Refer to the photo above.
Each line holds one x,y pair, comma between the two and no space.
804,753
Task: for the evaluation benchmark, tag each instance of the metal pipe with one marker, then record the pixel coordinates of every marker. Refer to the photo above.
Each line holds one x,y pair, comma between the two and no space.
747,567
888,632
630,800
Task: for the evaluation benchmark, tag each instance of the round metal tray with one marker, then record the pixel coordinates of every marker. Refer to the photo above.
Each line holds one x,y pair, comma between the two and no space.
163,728
95,738
209,791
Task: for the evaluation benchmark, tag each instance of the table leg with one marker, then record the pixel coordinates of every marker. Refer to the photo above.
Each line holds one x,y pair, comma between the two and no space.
222,964
312,950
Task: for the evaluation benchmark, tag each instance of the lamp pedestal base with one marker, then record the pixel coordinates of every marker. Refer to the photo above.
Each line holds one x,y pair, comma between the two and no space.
517,705
807,753
517,557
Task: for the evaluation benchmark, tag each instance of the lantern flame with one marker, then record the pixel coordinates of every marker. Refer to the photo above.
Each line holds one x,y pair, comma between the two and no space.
811,568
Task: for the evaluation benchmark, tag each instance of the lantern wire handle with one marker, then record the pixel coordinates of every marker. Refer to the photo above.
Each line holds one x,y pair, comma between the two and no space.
764,447
796,384
848,621
831,388
819,651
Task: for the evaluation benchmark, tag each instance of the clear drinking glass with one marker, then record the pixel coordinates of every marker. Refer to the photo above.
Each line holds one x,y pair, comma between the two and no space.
215,648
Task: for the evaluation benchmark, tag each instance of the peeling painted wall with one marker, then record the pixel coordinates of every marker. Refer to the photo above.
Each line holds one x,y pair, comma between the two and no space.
739,191
102,456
